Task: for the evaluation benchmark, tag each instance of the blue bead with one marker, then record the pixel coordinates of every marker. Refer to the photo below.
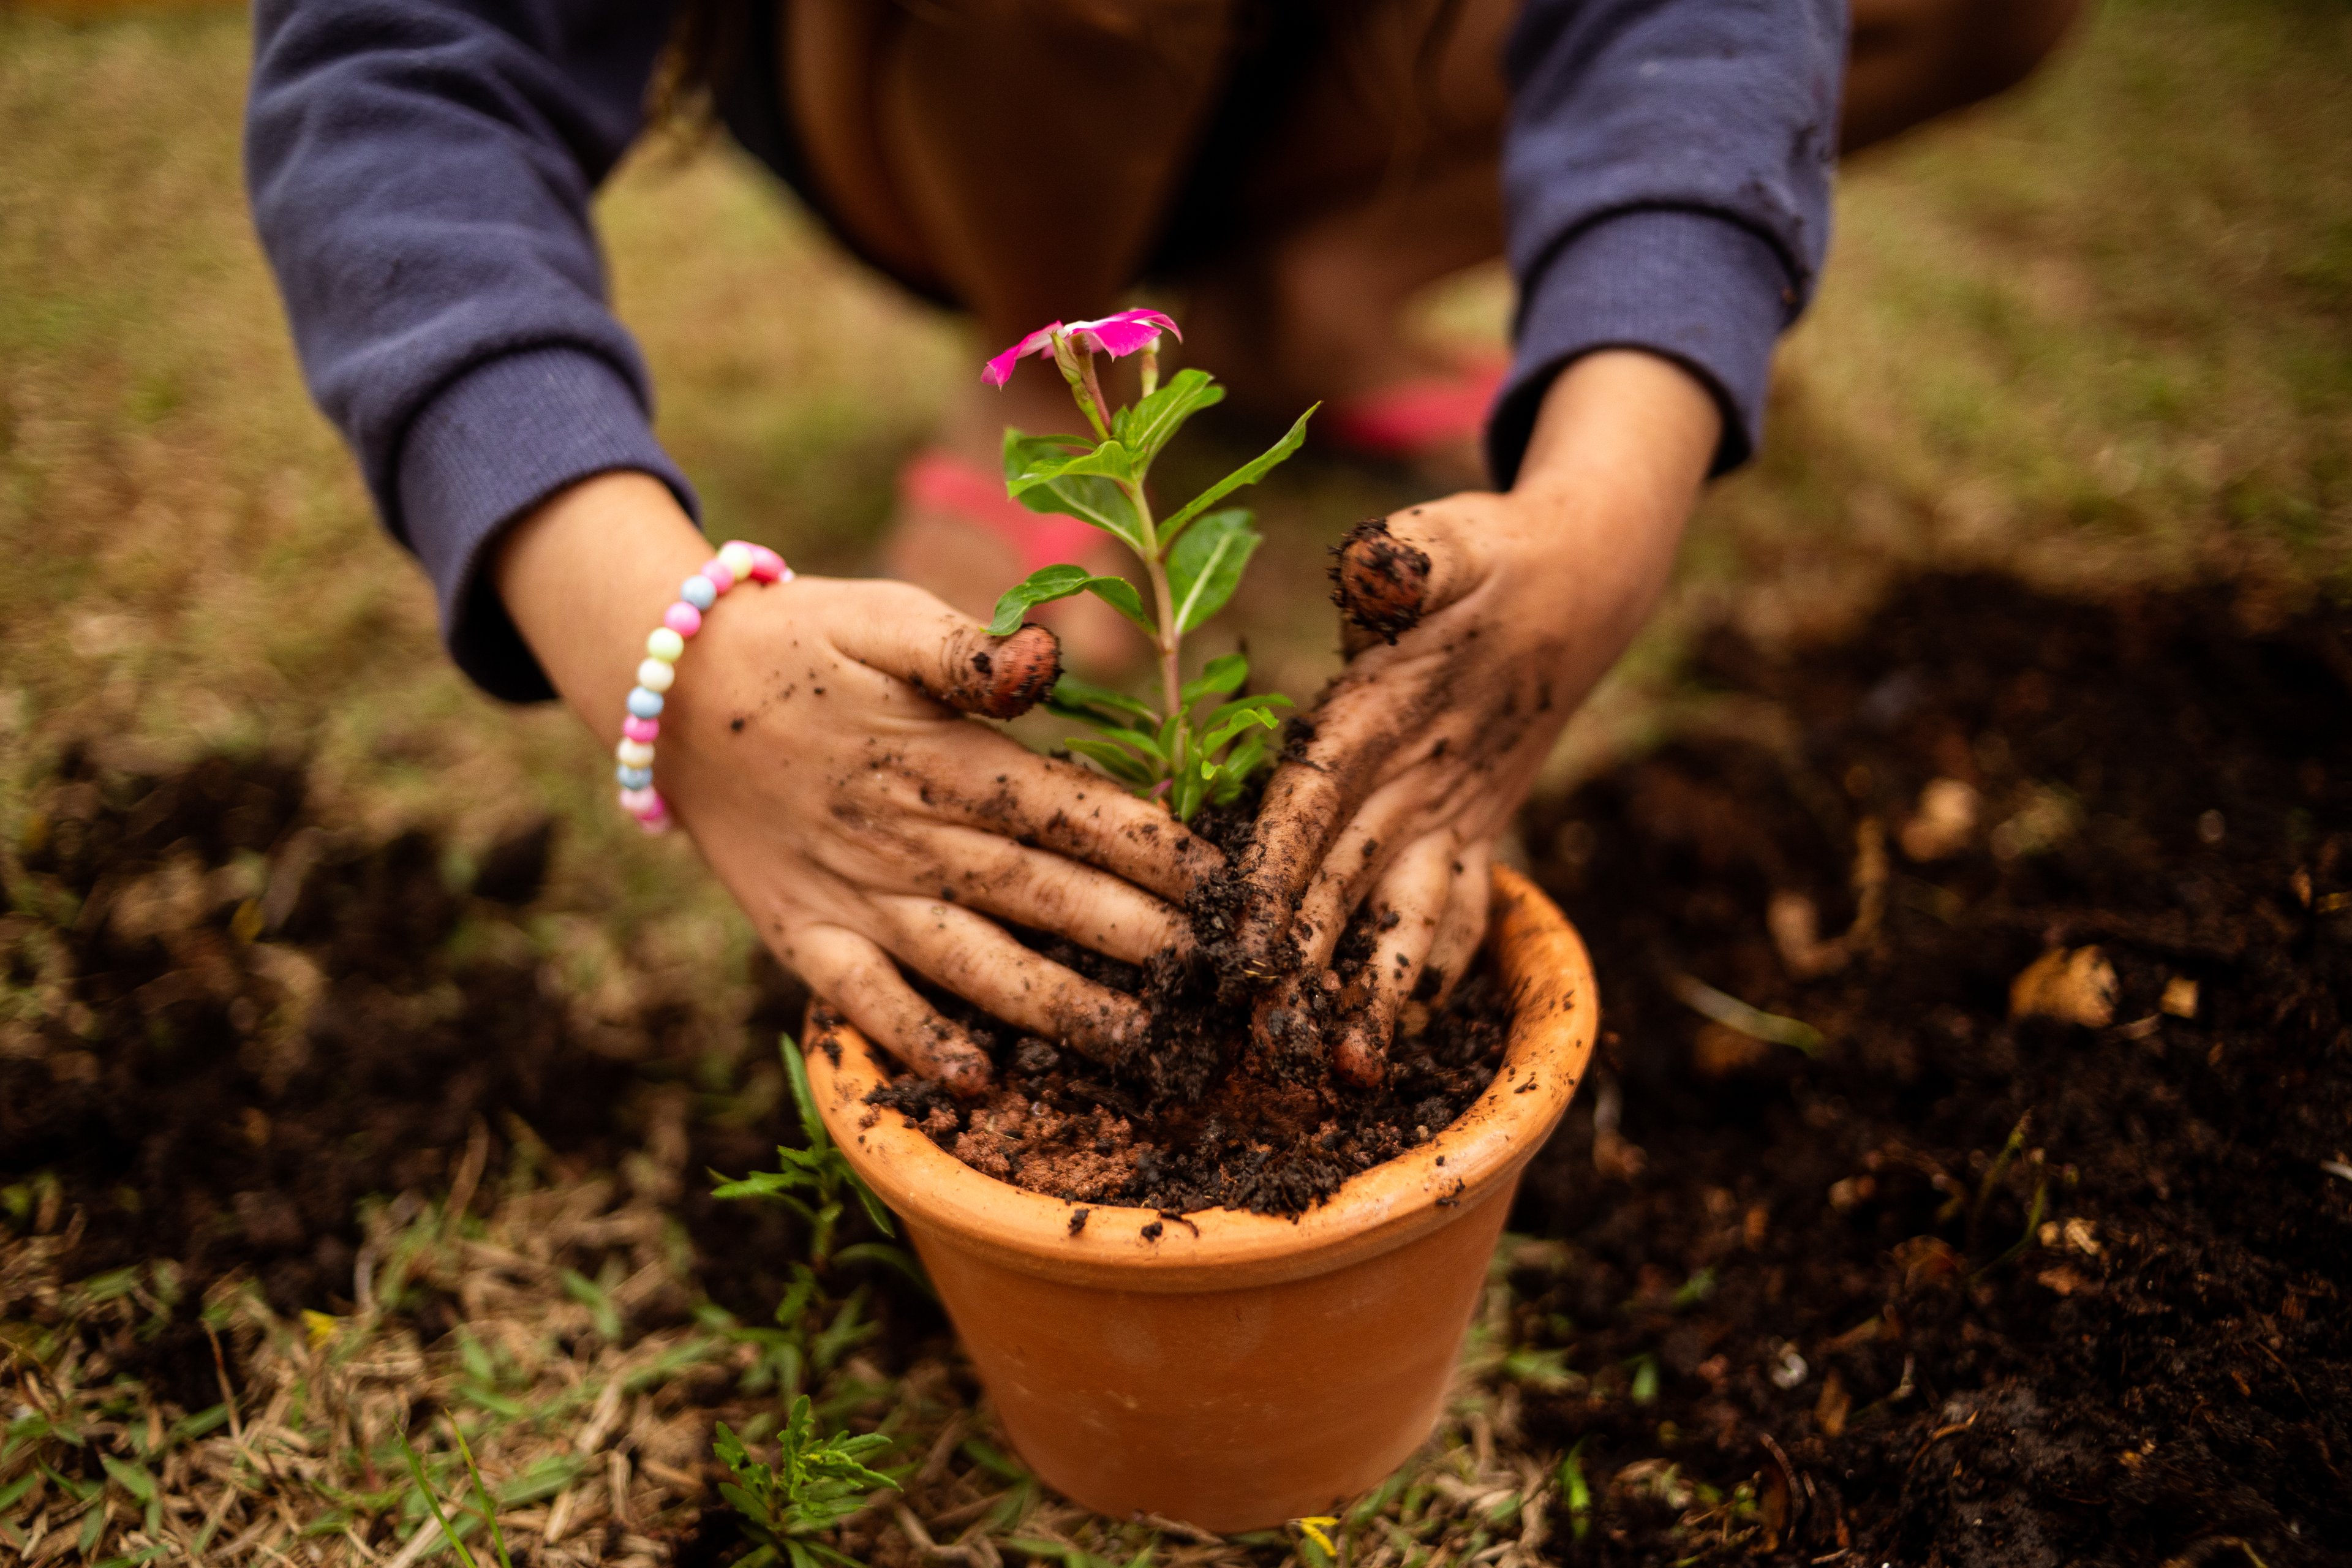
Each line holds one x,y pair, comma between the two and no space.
643,704
633,778
698,591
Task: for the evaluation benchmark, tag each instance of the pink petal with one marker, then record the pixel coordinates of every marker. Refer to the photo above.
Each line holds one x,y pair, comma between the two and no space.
999,370
1123,333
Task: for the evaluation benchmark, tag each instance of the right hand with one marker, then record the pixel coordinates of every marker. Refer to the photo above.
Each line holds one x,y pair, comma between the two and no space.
814,748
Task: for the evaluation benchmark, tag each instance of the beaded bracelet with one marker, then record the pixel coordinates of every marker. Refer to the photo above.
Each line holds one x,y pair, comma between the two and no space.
735,561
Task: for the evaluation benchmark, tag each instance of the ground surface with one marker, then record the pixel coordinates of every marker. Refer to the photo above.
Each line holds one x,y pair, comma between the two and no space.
313,1045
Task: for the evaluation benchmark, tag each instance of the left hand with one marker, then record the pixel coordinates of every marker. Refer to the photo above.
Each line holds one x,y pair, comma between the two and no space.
1474,627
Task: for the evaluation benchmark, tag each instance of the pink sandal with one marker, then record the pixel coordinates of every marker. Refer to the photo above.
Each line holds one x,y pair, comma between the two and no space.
938,481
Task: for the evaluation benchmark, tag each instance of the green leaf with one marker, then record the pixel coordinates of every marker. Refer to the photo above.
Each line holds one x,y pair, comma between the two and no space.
896,1258
1225,673
482,1501
1042,586
1265,702
803,1097
135,1481
1248,719
1205,567
1248,755
1072,697
1115,760
1146,428
1048,584
768,1184
1191,785
993,1460
1150,745
432,1500
1043,478
1109,461
1249,473
189,1428
602,1312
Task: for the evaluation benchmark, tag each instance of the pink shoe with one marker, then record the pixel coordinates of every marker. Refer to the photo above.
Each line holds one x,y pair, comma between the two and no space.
937,480
1430,416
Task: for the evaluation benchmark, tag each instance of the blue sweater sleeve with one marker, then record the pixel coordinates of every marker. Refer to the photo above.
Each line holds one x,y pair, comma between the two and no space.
420,174
1666,187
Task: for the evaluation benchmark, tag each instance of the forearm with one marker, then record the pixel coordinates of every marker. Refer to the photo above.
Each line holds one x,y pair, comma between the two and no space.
586,576
1619,452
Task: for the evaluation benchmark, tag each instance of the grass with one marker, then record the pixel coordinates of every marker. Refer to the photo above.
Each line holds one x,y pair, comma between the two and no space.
2099,334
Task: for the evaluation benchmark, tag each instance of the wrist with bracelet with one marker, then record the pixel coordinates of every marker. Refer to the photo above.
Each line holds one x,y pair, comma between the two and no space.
736,562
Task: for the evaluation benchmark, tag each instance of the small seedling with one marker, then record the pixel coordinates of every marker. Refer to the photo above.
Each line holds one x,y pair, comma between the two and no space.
433,1501
816,1183
814,1486
1193,560
1575,1491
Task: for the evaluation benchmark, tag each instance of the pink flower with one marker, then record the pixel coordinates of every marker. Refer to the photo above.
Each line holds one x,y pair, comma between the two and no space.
1117,335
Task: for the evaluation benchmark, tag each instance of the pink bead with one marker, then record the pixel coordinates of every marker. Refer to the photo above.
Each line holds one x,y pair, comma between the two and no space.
767,566
720,578
658,819
683,618
643,731
637,802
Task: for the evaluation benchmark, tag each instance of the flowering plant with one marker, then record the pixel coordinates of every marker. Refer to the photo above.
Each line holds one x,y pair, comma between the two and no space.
1192,560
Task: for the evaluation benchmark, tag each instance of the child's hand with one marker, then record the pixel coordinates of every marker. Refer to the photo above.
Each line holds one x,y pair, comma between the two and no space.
1474,627
814,748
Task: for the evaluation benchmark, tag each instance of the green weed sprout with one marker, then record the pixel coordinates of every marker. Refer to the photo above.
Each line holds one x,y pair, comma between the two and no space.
483,1502
1192,560
816,1182
814,1486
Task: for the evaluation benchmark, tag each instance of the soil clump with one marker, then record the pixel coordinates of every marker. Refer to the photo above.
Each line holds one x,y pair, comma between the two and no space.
227,1021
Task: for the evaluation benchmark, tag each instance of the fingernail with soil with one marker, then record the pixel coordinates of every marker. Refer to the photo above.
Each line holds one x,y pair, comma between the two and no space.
1008,676
1359,1060
1109,1031
1382,580
964,1070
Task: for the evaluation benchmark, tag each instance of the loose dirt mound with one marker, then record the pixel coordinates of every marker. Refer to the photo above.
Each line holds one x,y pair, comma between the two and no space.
239,1019
1964,1288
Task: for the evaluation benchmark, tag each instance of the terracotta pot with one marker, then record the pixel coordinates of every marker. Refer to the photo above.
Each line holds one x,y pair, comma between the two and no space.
1234,1369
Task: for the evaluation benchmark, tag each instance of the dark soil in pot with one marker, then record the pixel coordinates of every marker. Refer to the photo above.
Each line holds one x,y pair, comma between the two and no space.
1205,1114
1251,1138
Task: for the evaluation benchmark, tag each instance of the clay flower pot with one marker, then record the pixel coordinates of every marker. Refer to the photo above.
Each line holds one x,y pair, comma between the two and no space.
1234,1369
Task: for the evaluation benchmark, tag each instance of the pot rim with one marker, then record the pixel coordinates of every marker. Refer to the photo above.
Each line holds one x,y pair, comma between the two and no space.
1555,1017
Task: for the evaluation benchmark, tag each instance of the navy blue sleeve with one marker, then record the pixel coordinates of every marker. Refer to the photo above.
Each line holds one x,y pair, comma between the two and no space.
420,175
1666,187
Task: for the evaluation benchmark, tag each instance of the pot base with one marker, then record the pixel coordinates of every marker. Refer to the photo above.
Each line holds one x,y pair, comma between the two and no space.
1231,1410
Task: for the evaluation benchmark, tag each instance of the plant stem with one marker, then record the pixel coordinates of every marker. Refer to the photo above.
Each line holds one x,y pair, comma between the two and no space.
1077,368
1169,642
1171,672
1101,411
